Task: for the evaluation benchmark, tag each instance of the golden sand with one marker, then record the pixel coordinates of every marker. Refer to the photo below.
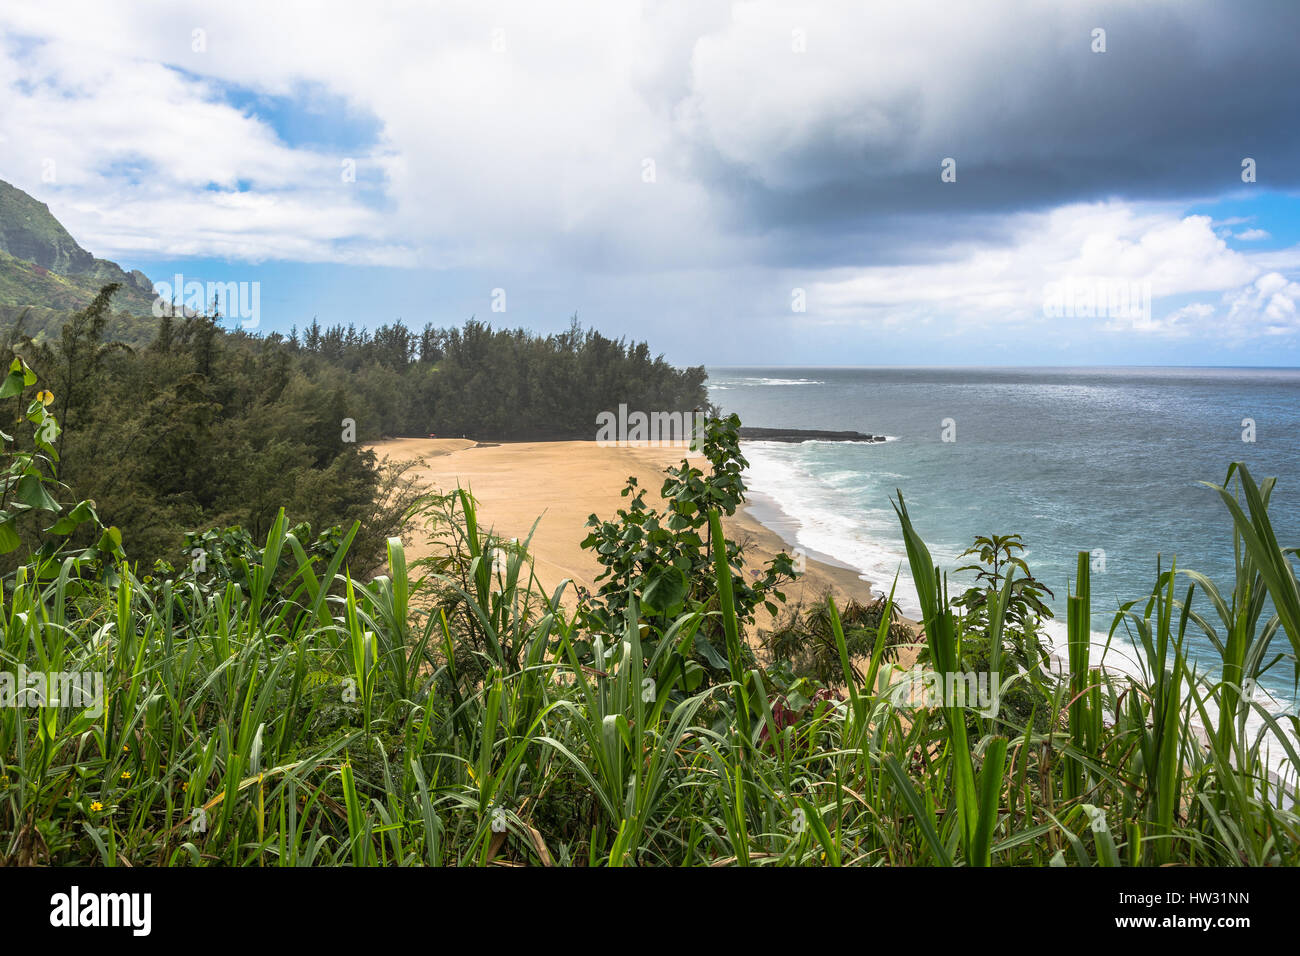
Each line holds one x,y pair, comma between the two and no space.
558,485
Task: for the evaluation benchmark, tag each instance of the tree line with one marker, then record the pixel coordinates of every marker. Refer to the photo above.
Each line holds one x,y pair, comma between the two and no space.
492,384
210,427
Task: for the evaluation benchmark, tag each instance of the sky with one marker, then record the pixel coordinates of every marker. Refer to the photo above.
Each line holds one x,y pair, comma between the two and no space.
765,183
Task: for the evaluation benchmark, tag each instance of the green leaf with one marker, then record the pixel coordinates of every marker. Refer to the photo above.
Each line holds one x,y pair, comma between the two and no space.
8,536
693,677
110,541
923,815
19,377
31,492
665,590
83,511
710,653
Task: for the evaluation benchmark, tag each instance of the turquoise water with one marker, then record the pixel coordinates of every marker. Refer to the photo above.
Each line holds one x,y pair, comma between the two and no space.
1093,459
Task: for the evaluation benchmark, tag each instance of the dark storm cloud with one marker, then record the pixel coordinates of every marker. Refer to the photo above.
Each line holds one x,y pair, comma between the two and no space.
1033,117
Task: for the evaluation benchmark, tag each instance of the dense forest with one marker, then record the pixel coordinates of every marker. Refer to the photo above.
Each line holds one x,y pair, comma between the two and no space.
206,427
502,385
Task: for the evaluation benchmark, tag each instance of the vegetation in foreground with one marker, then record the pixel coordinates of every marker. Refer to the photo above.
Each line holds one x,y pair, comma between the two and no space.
264,707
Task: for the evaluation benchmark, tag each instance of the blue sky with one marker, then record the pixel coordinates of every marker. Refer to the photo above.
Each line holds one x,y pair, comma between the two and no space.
747,183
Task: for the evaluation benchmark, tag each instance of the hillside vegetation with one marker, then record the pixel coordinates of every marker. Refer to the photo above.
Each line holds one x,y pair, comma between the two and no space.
265,706
45,276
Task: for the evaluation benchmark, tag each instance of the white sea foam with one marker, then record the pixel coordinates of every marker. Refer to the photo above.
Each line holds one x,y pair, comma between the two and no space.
808,510
1120,657
812,516
756,380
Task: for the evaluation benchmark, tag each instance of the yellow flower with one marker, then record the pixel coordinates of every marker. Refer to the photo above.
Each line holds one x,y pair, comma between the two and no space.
45,398
126,774
96,806
185,786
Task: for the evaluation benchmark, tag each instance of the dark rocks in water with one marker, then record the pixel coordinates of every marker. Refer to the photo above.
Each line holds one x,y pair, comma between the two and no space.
804,434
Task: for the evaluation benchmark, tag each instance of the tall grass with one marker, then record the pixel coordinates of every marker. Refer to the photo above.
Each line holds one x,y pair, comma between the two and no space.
442,714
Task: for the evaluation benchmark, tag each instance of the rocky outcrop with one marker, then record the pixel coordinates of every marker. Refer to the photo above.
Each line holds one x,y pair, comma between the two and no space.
803,434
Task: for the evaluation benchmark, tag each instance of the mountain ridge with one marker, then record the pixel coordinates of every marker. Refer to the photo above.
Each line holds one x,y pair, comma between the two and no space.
45,274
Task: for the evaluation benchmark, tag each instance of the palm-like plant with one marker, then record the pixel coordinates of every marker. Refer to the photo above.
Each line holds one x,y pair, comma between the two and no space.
805,637
1000,563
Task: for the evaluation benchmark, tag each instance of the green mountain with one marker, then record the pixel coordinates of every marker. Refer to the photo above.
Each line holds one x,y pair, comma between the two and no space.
45,275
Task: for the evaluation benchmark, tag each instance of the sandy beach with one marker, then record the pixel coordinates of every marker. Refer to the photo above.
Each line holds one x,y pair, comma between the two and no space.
560,484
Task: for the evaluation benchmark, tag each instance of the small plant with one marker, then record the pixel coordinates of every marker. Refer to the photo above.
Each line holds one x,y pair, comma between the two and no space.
1000,562
805,637
29,489
664,560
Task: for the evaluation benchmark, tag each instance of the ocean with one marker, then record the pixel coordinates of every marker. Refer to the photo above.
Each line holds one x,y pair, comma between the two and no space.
1103,460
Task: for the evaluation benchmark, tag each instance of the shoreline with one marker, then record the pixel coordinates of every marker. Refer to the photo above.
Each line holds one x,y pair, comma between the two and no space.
559,484
1119,658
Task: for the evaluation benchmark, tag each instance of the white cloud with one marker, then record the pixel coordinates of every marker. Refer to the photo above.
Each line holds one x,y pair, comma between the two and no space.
484,155
1268,305
524,148
1106,245
1179,323
145,159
